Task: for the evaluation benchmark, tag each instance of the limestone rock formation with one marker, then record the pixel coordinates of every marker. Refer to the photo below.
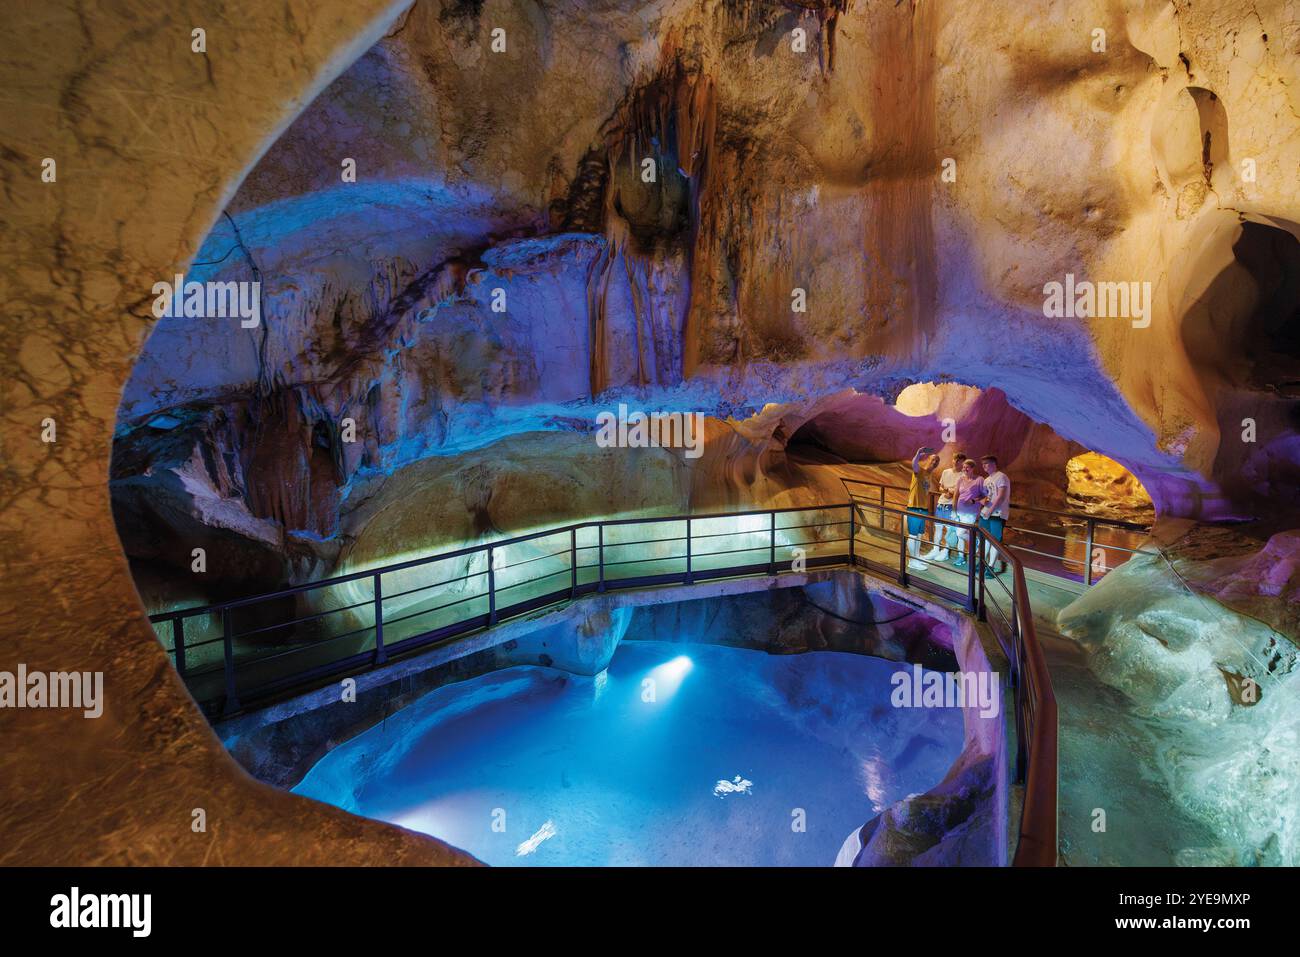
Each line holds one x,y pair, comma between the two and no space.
682,207
149,140
1218,685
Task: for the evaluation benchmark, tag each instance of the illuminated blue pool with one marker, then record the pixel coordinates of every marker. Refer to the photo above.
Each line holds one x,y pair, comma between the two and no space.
678,754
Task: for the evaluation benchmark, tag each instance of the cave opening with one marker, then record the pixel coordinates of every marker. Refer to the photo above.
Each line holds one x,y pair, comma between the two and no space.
1067,501
1242,327
1047,468
1271,336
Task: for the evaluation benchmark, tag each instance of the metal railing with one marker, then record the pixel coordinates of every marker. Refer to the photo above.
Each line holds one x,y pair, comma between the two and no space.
1071,545
246,652
881,546
238,652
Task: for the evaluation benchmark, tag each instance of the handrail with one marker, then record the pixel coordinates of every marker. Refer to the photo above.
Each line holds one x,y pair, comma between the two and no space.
1036,719
1090,523
473,549
1077,516
1036,765
1037,845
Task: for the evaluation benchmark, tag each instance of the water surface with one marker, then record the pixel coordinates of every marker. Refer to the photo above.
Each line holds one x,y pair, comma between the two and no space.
678,754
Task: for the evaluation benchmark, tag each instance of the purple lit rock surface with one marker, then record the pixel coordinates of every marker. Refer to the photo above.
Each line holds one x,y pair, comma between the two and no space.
588,772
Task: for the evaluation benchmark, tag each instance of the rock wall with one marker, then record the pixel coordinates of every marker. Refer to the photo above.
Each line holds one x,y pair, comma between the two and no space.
150,141
679,207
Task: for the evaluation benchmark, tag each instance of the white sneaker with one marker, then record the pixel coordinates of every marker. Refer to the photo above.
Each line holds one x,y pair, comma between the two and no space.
936,555
916,565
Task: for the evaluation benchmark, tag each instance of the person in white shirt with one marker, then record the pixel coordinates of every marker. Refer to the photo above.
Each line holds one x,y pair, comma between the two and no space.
996,508
946,535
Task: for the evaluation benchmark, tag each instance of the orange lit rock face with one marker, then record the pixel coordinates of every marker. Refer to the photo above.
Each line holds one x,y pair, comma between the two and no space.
1100,485
79,258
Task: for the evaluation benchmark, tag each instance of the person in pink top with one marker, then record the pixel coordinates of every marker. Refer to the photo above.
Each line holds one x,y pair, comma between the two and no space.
970,497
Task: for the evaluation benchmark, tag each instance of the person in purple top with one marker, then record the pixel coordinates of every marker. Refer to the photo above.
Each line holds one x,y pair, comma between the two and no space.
970,497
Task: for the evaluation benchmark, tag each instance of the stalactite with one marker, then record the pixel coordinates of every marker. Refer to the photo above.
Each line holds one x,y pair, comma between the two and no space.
705,234
638,308
597,290
827,14
758,15
676,106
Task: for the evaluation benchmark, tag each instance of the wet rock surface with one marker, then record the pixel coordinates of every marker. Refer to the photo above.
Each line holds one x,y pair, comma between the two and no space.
1200,751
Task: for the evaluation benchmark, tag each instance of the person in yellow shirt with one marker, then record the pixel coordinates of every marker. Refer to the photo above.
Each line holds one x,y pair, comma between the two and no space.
924,462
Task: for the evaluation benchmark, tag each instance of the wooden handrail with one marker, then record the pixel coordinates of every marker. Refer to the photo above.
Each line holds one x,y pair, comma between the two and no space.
1035,698
1037,846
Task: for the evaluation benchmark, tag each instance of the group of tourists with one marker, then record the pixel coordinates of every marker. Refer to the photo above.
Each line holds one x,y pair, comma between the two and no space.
970,492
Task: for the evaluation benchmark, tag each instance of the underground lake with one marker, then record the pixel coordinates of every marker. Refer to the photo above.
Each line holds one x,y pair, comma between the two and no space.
676,754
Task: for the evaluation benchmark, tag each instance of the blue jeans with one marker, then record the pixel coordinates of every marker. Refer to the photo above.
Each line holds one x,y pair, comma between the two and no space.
994,527
944,532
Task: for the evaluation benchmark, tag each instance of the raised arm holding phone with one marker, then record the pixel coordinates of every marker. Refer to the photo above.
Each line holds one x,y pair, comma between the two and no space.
924,463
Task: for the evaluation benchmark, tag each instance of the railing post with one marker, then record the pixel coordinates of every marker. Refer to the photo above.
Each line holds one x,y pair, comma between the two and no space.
1087,556
178,645
600,555
882,508
976,549
492,588
982,607
1016,649
902,548
690,578
771,548
380,654
1018,682
1022,733
853,534
573,561
228,641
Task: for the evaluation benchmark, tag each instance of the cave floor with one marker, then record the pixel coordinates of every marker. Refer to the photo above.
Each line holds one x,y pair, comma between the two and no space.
1108,763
